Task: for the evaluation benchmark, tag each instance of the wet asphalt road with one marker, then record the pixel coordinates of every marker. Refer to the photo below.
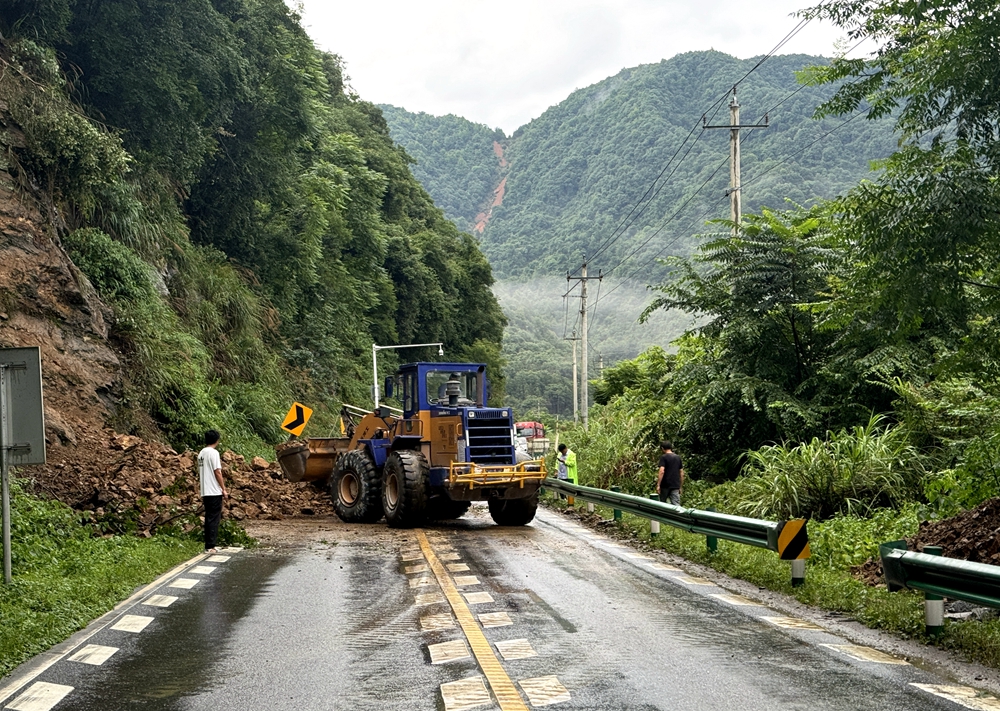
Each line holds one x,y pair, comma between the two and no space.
339,625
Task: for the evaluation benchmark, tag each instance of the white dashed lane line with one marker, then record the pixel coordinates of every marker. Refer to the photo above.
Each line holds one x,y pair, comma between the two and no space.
432,623
465,581
735,600
159,600
792,623
465,694
866,654
495,619
451,651
94,654
203,569
132,623
40,696
964,696
478,598
515,649
183,583
544,691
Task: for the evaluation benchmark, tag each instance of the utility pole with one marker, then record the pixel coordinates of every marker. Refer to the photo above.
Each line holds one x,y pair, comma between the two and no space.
585,372
576,397
735,191
600,366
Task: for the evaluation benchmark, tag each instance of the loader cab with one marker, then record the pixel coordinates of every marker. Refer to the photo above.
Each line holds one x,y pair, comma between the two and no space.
441,387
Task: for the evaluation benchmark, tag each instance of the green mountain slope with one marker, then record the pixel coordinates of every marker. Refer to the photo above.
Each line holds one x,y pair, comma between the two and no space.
576,171
456,161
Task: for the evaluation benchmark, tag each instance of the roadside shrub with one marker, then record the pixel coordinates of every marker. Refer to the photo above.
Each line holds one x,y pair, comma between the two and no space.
850,472
845,540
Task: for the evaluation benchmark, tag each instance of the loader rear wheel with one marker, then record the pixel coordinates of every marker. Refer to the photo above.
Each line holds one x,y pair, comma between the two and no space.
405,489
444,509
513,512
356,489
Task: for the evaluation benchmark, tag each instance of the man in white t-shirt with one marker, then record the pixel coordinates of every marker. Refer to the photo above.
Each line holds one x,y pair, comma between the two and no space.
213,488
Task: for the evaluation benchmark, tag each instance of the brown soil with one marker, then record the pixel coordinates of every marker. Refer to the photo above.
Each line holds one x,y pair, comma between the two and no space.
971,535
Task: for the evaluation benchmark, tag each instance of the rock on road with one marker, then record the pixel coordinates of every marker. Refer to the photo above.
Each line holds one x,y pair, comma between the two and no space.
462,615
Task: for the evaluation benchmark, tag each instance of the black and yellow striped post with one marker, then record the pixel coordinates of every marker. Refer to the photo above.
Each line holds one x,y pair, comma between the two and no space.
793,545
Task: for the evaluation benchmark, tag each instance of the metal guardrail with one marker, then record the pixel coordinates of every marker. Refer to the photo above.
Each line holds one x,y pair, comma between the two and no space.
749,531
939,577
789,539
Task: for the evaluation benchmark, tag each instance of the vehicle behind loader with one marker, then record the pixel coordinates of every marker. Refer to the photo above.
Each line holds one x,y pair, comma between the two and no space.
430,459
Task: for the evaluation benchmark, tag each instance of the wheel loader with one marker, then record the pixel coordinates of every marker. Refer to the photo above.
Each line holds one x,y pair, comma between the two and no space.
430,459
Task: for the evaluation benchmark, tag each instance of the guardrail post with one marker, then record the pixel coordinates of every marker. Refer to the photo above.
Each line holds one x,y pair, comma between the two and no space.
711,542
590,507
654,526
934,604
798,573
616,513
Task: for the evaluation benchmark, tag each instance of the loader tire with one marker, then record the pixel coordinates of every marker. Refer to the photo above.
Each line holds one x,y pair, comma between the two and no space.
445,509
405,489
356,488
513,512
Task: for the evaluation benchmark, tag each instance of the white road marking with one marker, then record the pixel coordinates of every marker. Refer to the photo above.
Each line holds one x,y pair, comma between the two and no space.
478,597
495,619
735,599
40,696
463,581
664,566
183,583
637,556
457,567
449,651
465,694
410,557
203,569
132,623
515,649
218,559
429,599
793,623
448,556
231,549
93,654
544,690
410,569
421,582
866,654
692,580
441,621
159,600
962,695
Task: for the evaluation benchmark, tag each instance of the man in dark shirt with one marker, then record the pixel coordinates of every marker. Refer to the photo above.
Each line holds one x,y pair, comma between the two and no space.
671,478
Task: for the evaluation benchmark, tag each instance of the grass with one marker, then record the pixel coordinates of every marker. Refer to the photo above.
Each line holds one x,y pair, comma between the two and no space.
64,577
828,586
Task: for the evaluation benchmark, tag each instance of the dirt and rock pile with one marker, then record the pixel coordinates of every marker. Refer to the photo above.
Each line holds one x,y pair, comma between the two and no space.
130,484
971,535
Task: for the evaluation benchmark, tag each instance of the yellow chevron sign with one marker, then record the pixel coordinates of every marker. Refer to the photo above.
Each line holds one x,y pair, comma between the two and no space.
296,419
793,540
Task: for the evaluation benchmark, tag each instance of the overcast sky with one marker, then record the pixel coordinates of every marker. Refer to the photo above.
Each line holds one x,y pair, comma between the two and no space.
504,63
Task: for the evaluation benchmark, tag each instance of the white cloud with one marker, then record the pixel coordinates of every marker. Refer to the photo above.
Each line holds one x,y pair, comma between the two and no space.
503,64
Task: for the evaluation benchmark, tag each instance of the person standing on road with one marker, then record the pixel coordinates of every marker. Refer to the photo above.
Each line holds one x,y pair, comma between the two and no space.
567,464
213,488
671,479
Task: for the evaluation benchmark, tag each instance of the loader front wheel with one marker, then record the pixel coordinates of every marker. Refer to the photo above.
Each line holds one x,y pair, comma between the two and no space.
356,489
513,512
405,489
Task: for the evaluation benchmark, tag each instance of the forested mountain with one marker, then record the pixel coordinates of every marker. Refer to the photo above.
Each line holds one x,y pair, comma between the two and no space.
457,160
576,171
250,226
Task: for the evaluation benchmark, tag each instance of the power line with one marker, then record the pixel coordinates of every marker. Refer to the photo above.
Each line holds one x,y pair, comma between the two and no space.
626,221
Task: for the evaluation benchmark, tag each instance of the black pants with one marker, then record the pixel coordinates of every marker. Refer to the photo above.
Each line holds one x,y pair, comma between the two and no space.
213,516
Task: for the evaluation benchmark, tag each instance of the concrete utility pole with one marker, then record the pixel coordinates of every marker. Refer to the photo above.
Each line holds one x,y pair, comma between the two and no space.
584,365
600,366
735,191
576,397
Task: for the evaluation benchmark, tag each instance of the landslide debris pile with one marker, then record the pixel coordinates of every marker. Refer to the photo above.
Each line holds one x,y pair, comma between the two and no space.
971,535
130,484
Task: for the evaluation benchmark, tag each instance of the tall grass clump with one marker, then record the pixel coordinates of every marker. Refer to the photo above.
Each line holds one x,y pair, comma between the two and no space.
849,472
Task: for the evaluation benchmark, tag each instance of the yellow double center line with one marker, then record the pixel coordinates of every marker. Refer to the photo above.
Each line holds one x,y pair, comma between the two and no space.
503,687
